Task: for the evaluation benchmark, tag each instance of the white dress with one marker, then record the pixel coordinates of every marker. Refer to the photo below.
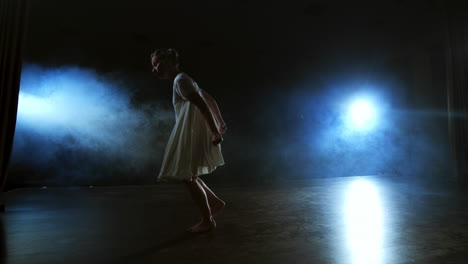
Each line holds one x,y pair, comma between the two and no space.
189,151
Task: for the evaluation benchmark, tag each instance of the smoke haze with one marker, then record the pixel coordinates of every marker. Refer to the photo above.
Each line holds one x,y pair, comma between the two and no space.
76,123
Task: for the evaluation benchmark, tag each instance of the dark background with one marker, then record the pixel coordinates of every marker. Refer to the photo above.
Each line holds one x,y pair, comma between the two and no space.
279,72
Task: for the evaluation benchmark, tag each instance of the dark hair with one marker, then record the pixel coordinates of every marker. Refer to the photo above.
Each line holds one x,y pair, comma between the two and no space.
166,54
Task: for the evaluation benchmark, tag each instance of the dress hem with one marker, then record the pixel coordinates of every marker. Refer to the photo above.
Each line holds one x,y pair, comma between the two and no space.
167,178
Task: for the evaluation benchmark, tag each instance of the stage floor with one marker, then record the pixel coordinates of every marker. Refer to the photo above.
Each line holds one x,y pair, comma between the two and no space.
339,220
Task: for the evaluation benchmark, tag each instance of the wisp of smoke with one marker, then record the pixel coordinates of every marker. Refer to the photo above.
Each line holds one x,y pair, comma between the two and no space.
82,126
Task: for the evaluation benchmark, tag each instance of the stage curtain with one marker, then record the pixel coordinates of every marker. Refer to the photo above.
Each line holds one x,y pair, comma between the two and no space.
12,31
457,90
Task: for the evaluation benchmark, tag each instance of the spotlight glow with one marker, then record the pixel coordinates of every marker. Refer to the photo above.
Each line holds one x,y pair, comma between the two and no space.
363,214
78,103
40,111
361,115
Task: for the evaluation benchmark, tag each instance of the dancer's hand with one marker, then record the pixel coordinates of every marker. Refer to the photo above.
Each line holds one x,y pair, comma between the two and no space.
216,138
222,128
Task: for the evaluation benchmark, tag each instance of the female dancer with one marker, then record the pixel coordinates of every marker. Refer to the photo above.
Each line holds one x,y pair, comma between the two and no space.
194,147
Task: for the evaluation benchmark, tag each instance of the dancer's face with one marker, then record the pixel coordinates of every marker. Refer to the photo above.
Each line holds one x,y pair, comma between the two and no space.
157,67
161,68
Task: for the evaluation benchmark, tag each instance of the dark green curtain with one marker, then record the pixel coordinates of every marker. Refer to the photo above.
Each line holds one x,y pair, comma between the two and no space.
12,32
457,90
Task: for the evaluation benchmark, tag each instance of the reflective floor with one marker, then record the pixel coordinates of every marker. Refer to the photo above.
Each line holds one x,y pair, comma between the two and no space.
341,220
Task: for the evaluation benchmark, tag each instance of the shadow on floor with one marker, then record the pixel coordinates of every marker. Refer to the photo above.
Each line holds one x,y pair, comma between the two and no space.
167,244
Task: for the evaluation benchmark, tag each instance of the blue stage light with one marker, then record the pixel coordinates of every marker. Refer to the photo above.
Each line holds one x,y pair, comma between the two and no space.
361,115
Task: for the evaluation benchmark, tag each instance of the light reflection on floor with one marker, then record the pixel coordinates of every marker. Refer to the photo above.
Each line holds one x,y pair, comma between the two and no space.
361,219
364,222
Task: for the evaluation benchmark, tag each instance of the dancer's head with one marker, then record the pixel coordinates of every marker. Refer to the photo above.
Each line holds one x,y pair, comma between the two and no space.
165,62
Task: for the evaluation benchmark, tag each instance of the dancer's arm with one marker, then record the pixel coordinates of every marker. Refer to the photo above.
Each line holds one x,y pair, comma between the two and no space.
187,90
197,100
215,110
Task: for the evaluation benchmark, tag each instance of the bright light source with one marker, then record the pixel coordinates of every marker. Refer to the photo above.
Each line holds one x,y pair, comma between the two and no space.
38,110
361,115
361,112
364,227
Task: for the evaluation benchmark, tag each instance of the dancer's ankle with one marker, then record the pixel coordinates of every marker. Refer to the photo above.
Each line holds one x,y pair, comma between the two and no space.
209,219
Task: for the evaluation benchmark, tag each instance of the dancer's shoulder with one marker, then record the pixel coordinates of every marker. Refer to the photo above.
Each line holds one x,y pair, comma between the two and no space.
183,76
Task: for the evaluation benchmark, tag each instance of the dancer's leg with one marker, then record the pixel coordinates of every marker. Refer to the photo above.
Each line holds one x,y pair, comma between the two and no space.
216,204
199,196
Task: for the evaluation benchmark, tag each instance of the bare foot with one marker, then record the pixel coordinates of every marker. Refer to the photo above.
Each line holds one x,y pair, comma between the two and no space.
203,226
218,205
